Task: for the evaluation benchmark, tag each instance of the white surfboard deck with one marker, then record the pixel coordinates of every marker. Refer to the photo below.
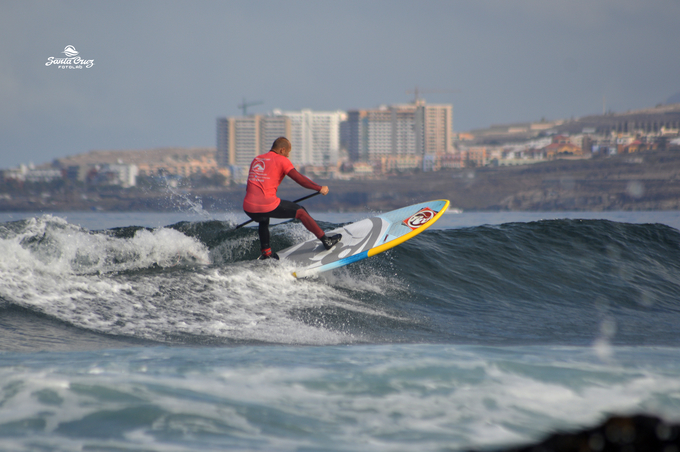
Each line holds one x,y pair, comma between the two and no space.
364,238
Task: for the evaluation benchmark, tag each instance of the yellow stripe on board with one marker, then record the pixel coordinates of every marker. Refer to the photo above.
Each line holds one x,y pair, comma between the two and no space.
405,237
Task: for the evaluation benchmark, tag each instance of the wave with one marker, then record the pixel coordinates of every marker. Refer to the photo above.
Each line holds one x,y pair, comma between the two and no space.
573,281
555,262
557,281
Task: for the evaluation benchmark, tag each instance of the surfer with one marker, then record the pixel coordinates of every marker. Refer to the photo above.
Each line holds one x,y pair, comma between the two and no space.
261,203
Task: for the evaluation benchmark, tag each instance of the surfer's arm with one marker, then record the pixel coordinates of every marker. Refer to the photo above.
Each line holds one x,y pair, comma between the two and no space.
303,180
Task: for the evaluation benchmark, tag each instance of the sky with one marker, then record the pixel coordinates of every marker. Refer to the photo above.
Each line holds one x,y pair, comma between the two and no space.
165,70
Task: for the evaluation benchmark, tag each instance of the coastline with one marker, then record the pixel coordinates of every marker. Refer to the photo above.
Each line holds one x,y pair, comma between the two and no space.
644,182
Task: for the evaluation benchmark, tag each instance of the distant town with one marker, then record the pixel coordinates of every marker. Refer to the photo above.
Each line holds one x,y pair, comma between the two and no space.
372,144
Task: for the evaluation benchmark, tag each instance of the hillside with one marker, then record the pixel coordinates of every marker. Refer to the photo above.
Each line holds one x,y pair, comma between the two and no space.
642,181
648,119
649,181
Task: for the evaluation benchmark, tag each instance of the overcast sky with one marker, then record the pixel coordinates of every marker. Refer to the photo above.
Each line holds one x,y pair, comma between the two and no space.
165,70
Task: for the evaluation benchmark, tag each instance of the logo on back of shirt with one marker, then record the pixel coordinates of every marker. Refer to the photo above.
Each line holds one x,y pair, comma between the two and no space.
257,171
258,165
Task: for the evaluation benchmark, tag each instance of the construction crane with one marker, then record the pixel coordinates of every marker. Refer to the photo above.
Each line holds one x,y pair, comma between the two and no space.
244,105
417,92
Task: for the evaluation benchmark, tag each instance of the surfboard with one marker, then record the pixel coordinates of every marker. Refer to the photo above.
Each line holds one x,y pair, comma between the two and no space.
364,238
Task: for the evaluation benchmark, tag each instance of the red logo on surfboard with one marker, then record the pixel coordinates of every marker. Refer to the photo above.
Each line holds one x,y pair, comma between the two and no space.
419,218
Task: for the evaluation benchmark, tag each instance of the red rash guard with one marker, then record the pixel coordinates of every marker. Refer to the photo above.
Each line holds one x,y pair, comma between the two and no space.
266,173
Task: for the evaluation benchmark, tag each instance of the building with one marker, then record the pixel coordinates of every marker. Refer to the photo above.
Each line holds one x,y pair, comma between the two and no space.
354,132
315,136
379,134
476,157
641,145
241,139
400,163
32,174
182,166
451,161
272,127
121,174
562,146
123,167
399,130
437,129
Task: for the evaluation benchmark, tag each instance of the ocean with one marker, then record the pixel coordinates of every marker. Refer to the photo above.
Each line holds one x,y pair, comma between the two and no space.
160,332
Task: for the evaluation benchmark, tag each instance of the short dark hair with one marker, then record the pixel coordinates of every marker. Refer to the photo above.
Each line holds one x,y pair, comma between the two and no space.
281,142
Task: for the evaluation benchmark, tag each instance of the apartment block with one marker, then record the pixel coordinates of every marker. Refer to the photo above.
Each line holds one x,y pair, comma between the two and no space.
399,130
241,139
315,136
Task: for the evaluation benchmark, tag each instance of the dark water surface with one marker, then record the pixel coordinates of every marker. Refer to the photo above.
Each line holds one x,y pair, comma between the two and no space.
131,333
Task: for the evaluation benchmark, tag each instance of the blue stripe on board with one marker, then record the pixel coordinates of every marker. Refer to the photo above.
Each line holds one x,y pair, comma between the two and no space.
346,261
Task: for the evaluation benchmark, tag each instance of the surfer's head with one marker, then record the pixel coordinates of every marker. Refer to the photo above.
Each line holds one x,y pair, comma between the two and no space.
281,146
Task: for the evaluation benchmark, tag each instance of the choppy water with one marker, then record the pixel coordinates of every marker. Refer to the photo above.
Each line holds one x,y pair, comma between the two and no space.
142,332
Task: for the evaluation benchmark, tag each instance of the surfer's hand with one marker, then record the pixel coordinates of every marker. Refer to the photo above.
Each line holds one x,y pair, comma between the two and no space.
324,190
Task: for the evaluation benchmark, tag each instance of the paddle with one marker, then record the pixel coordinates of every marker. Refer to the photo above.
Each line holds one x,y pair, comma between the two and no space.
297,200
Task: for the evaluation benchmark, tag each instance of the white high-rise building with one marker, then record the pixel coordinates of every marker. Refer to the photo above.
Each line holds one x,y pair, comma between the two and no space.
272,127
400,130
315,136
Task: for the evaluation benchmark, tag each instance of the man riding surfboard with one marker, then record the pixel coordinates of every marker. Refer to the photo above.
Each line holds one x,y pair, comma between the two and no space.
261,203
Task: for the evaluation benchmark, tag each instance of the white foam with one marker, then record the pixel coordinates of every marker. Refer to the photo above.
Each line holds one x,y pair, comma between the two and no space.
49,244
377,398
149,286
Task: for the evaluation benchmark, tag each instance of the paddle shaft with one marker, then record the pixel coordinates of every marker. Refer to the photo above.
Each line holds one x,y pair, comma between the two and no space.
297,200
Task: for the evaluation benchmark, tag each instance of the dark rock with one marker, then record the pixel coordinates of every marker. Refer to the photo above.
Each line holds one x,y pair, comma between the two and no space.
638,433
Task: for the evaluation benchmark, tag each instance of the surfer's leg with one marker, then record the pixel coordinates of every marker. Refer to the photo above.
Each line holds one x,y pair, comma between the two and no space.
265,248
263,231
309,222
289,209
311,225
